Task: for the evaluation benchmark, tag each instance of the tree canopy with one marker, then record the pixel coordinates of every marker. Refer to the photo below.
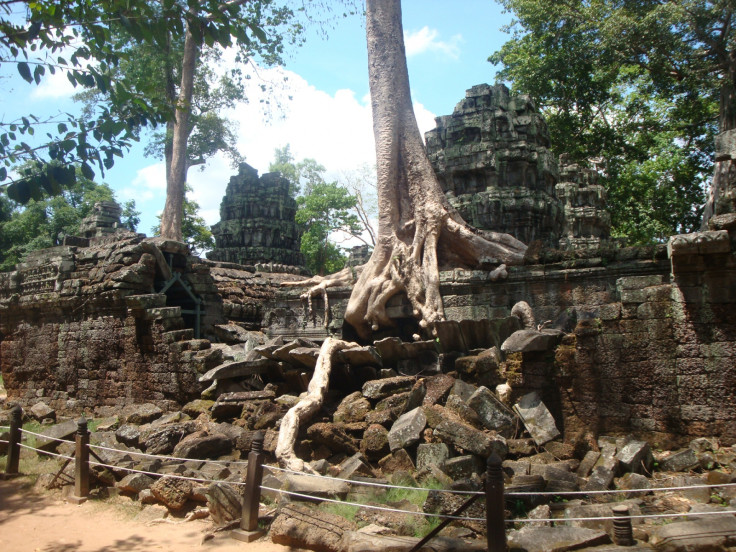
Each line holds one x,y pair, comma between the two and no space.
638,87
325,210
44,222
97,44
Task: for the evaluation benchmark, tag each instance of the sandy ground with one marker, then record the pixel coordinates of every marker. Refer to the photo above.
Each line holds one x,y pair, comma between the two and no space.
33,522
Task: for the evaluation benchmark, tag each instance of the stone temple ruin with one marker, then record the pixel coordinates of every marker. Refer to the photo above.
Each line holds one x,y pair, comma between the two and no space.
618,341
257,222
493,161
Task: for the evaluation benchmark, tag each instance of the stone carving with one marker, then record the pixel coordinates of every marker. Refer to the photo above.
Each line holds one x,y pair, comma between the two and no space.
257,221
104,220
587,222
493,161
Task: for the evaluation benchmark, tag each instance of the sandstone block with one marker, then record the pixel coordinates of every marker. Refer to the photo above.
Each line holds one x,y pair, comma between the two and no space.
407,430
683,460
493,414
352,408
432,454
172,492
463,467
380,389
635,456
536,418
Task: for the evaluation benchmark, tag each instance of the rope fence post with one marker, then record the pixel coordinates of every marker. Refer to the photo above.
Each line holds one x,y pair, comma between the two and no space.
16,424
623,534
248,531
495,524
81,463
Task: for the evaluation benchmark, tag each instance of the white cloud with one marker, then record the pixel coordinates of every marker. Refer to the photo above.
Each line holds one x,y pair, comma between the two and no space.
335,130
425,40
54,87
148,183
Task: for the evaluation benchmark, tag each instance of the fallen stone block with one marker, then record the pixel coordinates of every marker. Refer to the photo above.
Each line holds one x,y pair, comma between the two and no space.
493,414
53,436
172,492
555,539
463,467
407,430
382,388
588,463
432,454
635,456
701,535
536,418
683,460
468,438
299,526
600,479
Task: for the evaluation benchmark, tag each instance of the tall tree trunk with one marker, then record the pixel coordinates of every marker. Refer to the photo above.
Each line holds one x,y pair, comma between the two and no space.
722,194
418,231
171,218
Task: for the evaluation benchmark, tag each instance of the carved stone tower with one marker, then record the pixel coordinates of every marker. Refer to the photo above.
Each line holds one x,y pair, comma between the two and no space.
493,161
257,221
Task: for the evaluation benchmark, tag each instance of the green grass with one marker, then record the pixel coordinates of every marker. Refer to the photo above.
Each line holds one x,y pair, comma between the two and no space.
416,525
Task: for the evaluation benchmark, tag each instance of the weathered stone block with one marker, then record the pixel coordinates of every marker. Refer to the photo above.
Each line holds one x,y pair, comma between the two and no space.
432,454
407,430
493,414
536,418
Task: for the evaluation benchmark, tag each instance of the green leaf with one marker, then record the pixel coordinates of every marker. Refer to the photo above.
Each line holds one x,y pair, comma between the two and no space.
25,71
19,191
87,171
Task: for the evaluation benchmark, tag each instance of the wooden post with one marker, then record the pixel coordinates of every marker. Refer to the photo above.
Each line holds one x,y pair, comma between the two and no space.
16,424
495,525
81,463
249,531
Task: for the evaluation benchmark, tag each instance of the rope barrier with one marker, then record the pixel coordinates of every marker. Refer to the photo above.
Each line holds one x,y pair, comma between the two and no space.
360,505
4,427
145,455
3,441
46,436
608,518
616,491
39,451
174,476
371,484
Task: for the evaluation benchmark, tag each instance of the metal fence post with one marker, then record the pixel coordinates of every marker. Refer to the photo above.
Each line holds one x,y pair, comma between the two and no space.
16,424
81,463
249,531
495,524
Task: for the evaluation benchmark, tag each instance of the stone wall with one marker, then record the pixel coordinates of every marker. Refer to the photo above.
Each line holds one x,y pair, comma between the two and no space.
651,335
83,326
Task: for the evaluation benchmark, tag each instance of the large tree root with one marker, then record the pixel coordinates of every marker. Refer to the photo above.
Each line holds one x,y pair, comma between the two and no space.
318,285
307,406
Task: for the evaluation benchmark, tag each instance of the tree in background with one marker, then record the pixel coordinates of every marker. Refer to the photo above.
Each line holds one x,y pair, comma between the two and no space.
195,231
99,36
44,222
640,87
326,211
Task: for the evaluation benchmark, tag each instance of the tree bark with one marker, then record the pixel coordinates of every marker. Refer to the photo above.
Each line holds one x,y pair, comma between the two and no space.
418,231
171,218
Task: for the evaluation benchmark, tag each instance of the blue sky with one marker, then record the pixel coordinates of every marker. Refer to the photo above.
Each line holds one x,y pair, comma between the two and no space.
328,119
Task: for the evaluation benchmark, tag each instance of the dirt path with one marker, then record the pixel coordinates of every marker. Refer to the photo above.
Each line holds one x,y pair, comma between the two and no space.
31,522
